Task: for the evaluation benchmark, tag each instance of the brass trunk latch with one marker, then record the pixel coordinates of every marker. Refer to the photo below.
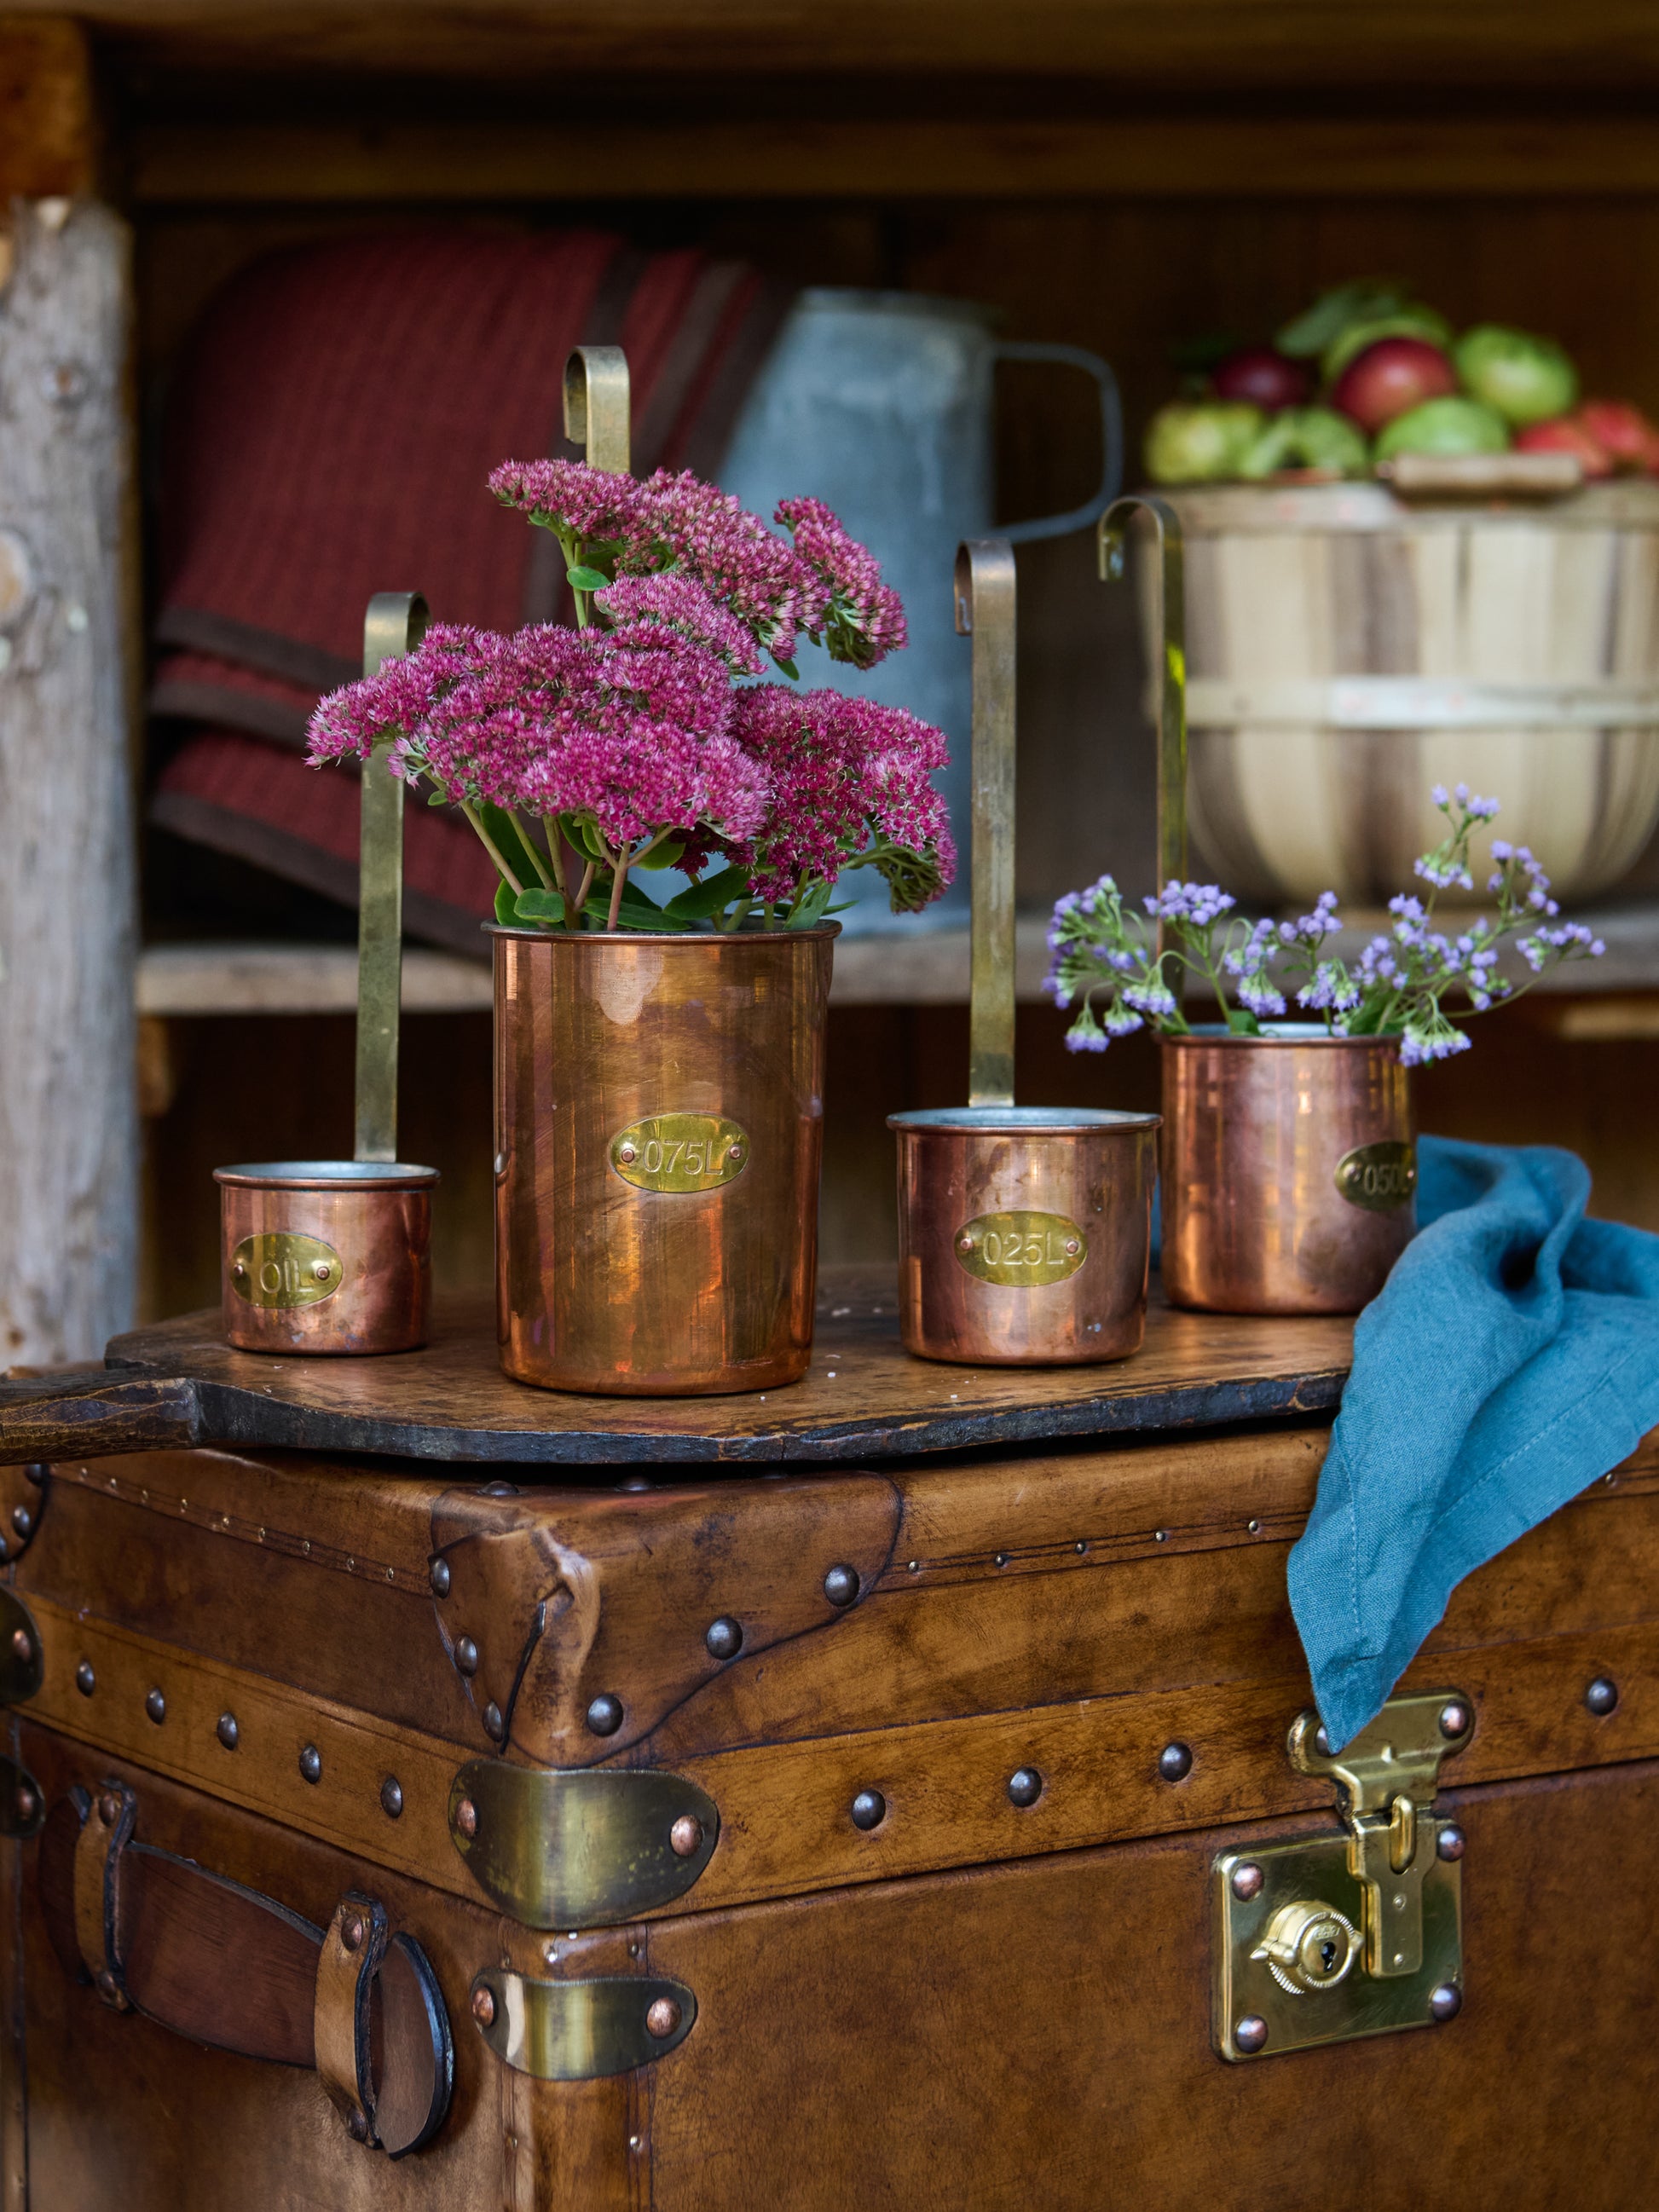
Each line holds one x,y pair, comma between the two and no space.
1331,1937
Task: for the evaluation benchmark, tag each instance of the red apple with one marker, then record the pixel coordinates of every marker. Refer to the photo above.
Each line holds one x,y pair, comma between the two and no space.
1566,434
1265,378
1623,432
1391,377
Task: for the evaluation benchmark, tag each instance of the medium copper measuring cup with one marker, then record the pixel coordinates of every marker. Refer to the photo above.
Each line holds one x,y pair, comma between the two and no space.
1024,1231
335,1256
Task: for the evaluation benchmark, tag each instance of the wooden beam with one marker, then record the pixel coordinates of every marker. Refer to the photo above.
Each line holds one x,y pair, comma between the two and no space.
1182,46
1263,157
48,133
68,1169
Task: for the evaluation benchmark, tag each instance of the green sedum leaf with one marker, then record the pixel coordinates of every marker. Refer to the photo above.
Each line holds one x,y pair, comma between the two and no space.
587,580
544,910
700,900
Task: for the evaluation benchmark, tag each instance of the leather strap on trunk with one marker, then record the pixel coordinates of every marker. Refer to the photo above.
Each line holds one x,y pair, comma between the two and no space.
230,1967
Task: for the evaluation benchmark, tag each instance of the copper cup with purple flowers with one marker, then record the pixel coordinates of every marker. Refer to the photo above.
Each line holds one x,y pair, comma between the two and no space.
659,1038
1288,1152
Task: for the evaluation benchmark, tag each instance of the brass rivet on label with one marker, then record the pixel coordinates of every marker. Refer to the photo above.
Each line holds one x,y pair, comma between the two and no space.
685,1835
662,2017
466,1818
22,1645
483,2005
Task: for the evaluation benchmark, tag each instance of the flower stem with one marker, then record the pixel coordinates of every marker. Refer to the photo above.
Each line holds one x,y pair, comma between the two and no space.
527,840
618,883
490,844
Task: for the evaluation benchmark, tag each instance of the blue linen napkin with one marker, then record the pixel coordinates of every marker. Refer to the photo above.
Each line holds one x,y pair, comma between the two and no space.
1510,1359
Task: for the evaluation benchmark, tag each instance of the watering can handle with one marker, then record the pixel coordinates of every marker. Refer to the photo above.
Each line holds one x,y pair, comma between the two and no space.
1112,541
1111,440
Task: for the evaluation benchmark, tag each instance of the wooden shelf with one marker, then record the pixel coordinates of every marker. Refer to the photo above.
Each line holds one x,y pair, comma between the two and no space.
1617,996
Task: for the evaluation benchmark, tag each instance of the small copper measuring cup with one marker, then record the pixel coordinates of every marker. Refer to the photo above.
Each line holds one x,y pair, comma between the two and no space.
1024,1231
336,1255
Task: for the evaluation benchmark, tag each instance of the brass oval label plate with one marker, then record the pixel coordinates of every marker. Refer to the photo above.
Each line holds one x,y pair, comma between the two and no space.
680,1152
1021,1251
1379,1176
280,1267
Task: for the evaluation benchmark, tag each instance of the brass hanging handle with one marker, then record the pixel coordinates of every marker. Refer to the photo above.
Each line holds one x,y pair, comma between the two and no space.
986,595
1111,540
394,625
597,406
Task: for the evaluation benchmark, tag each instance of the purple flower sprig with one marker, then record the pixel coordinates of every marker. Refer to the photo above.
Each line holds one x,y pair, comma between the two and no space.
1398,986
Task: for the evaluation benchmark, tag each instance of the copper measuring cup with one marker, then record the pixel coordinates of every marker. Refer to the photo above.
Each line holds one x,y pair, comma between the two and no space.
1024,1231
1288,1157
335,1256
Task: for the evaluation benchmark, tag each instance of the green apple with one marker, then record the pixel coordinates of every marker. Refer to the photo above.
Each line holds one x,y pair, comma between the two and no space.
1306,438
1444,426
1199,441
1527,379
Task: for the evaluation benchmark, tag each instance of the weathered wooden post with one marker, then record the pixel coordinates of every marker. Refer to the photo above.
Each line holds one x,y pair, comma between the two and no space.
69,1143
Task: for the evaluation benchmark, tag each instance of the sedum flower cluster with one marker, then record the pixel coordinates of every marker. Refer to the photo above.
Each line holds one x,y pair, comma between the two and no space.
1397,988
639,740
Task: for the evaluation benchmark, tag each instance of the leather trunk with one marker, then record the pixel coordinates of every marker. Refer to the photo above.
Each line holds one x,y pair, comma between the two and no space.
973,1743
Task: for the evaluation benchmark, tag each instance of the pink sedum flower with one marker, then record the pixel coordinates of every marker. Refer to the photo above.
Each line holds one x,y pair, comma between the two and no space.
641,608
861,619
707,534
843,769
594,505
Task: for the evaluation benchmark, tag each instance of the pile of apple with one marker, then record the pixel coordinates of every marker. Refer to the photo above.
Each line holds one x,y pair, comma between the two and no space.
1366,373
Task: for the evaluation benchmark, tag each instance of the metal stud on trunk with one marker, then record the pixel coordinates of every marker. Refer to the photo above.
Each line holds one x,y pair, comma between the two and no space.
335,1256
1025,1232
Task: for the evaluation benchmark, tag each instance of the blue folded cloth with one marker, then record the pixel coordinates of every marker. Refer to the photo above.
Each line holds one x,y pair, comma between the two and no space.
1510,1359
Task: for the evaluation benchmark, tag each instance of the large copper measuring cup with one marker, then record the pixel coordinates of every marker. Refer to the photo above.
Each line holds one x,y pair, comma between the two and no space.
1023,1230
335,1256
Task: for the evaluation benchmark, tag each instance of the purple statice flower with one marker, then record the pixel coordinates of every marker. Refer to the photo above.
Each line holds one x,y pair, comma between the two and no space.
597,507
845,769
1329,990
1444,869
1153,996
1313,928
861,619
1439,1041
1568,940
707,534
1198,905
641,608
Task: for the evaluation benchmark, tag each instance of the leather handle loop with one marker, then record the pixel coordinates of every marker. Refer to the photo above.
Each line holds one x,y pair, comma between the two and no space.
353,1948
105,1833
228,1967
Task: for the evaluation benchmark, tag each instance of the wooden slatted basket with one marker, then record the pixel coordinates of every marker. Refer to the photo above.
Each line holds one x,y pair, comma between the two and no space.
1348,649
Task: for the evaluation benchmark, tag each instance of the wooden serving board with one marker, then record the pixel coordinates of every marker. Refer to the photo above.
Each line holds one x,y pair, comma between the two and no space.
864,1398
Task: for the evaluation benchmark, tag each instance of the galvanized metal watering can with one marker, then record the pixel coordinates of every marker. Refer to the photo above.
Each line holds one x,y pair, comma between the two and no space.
881,403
